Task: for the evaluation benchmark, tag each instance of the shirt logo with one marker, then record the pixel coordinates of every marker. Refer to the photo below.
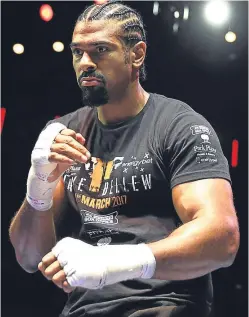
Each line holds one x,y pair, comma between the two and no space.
90,217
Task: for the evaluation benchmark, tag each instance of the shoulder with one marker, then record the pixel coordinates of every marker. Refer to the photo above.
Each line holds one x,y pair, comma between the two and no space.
74,120
169,111
170,107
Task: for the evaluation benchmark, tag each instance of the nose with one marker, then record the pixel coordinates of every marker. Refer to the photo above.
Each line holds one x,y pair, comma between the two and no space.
86,63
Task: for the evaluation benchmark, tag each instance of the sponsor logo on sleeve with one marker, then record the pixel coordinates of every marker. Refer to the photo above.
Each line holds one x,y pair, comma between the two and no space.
200,129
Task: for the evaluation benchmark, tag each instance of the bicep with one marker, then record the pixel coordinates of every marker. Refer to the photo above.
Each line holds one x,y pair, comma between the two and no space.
210,198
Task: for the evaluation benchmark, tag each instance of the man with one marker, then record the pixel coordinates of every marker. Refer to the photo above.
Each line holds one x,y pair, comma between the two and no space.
145,174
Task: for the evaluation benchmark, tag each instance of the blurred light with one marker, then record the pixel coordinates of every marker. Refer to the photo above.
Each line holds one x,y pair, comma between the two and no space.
235,153
176,14
58,46
185,13
230,37
100,1
217,12
232,57
238,286
3,114
175,27
18,48
155,8
46,12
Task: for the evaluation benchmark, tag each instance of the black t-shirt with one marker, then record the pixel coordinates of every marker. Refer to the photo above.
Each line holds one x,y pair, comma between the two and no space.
123,196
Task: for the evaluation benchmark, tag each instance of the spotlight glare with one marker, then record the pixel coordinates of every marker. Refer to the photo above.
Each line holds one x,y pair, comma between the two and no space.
58,46
46,12
175,27
18,48
185,13
176,14
230,37
155,8
217,12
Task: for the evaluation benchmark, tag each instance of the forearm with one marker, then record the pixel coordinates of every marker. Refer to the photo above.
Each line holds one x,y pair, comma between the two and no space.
195,249
32,234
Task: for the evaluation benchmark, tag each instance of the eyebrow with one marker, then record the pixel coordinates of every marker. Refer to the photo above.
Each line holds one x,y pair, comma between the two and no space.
77,44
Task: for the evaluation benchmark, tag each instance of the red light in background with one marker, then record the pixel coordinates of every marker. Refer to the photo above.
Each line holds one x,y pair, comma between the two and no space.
3,114
235,153
46,12
56,117
100,1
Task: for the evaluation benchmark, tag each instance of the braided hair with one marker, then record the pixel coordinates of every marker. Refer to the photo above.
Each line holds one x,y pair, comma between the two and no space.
129,20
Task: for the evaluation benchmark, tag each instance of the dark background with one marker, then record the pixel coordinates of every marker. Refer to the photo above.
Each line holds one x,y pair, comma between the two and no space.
195,65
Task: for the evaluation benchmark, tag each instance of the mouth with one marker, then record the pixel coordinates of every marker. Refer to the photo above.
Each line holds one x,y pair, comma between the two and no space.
90,81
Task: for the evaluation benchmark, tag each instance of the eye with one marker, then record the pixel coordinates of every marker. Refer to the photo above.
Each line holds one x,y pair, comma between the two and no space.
77,52
102,49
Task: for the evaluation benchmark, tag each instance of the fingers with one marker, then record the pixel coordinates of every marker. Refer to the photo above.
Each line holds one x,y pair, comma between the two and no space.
52,270
67,288
80,138
48,259
48,265
68,148
58,150
58,278
73,134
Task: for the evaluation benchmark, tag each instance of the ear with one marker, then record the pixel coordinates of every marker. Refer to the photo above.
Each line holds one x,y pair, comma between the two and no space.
138,54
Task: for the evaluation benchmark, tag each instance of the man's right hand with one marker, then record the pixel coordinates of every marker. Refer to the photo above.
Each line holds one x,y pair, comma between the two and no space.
56,149
67,149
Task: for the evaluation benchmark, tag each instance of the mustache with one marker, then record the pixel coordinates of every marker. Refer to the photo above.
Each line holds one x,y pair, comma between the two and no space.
91,74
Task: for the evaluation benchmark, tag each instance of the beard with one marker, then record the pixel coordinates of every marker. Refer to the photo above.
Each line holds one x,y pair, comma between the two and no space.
94,96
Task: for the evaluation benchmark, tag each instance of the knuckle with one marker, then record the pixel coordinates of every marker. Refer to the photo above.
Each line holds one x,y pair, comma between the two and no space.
48,272
45,259
73,134
52,156
55,279
63,147
70,140
69,132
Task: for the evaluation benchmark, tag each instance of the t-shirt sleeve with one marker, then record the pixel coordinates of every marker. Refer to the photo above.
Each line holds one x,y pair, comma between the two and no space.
192,150
66,120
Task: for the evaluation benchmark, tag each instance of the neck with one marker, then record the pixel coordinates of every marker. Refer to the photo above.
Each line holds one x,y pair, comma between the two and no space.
128,105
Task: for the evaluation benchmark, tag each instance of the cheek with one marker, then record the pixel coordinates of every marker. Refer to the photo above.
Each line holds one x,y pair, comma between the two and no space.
77,73
75,66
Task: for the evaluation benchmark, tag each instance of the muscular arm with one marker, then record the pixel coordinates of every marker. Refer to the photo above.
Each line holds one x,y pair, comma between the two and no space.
209,236
32,232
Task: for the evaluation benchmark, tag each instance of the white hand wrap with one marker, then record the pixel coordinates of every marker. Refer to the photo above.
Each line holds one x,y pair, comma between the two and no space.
39,190
94,267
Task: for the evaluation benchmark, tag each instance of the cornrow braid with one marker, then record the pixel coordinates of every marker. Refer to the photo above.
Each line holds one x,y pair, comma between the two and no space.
130,21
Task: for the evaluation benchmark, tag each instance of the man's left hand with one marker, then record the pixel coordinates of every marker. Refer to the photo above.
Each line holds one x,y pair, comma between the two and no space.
51,269
74,263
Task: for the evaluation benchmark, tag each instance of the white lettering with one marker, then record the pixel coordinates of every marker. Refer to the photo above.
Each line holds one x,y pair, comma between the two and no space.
111,187
134,183
105,189
146,179
80,184
116,185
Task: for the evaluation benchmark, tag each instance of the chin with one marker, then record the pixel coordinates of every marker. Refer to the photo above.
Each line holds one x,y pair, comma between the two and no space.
95,96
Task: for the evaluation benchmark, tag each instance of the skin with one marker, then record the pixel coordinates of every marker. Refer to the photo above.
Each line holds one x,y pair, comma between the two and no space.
33,233
127,97
209,236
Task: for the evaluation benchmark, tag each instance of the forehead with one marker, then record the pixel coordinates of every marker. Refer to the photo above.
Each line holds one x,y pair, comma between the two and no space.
85,32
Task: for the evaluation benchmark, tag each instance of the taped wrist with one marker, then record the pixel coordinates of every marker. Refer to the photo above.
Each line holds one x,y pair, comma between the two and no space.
39,190
128,262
